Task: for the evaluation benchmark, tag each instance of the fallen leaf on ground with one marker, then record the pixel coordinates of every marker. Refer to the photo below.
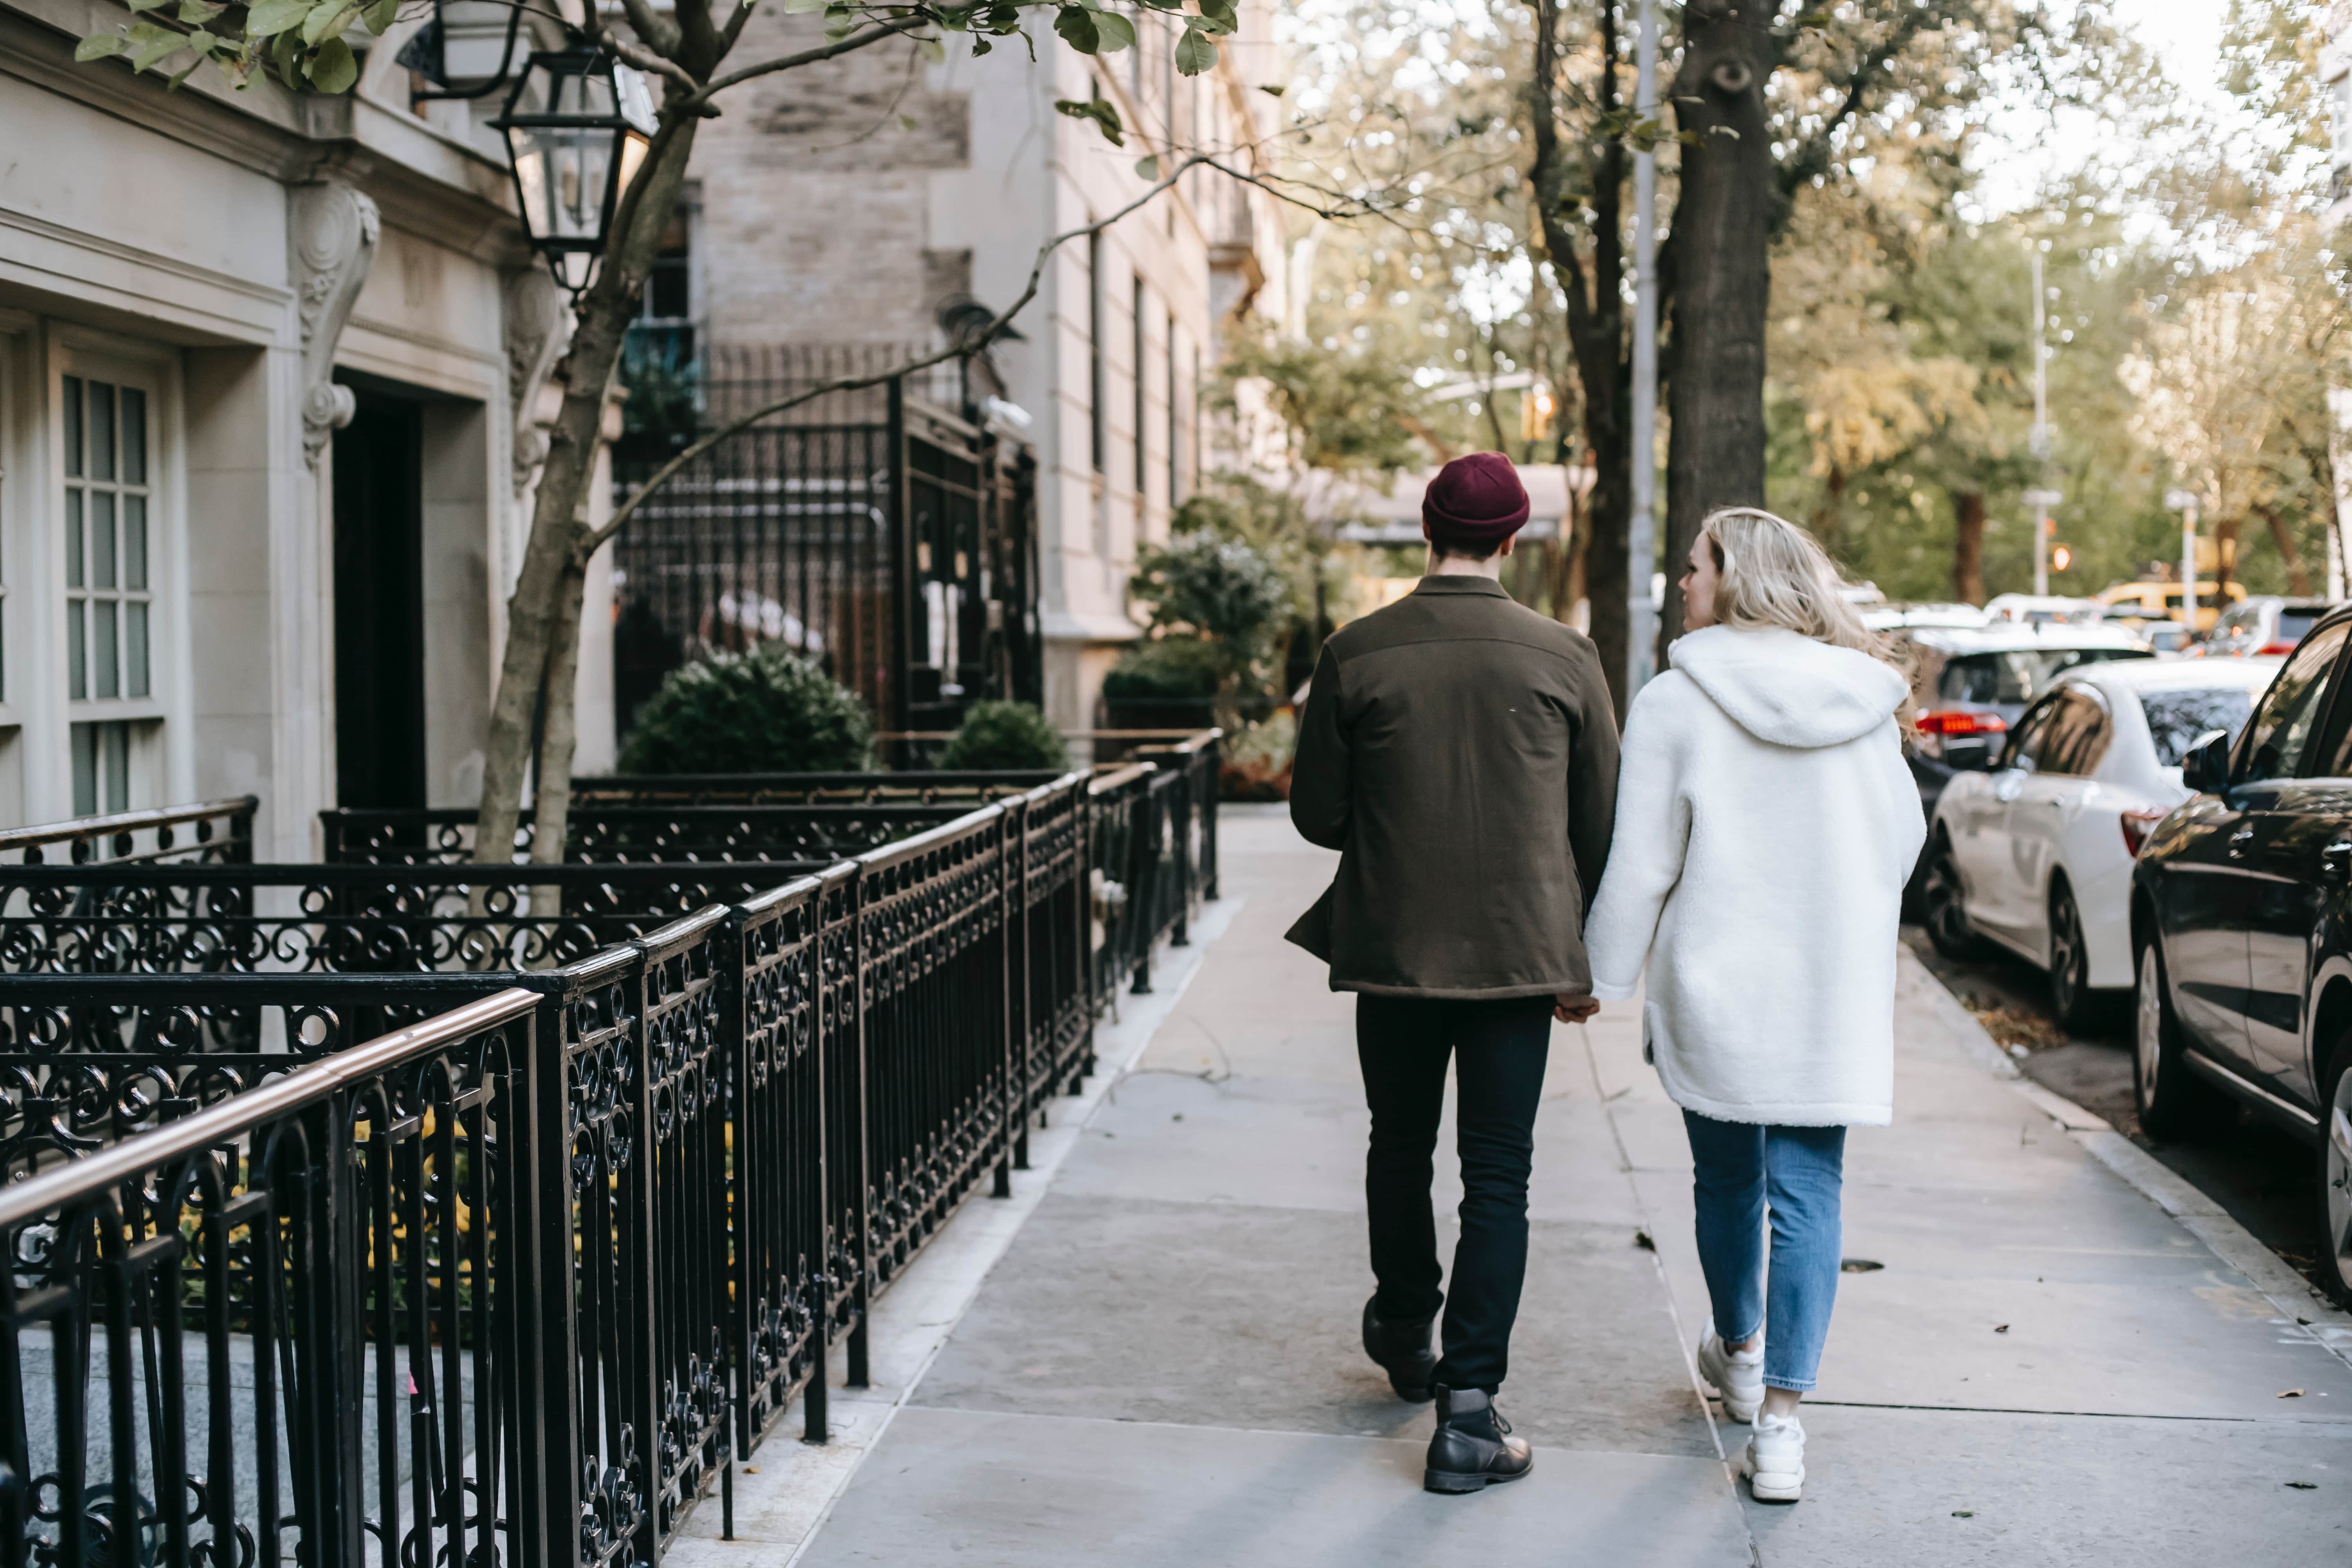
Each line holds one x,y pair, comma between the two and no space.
1642,1239
2001,1328
2305,1486
1971,1513
2290,1394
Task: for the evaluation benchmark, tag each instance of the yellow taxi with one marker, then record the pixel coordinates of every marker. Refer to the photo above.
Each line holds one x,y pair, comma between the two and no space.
2161,602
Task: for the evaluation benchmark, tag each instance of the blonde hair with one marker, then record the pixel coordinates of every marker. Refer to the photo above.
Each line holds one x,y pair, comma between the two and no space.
1770,573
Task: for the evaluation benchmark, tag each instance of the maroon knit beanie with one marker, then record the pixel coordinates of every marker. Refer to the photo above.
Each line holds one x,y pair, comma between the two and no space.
1476,502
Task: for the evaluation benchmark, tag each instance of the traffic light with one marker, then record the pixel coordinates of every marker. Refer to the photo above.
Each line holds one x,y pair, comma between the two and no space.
1536,410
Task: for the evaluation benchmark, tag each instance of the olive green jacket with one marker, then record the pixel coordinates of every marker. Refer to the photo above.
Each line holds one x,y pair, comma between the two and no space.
1460,752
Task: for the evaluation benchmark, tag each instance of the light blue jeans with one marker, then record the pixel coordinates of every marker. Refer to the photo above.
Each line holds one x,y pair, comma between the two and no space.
1741,1171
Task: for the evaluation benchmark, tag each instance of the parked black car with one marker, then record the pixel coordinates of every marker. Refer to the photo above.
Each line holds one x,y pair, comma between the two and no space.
2242,930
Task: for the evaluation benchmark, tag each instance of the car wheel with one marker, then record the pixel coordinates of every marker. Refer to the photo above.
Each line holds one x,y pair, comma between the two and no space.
2336,1173
2173,1102
1940,904
2070,963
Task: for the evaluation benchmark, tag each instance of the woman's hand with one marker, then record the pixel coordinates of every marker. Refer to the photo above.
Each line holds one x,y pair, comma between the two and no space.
1574,1009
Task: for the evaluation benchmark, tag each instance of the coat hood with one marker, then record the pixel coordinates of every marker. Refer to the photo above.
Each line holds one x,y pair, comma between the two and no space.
1788,690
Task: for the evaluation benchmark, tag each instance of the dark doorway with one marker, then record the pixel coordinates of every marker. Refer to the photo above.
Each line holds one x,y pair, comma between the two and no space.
380,605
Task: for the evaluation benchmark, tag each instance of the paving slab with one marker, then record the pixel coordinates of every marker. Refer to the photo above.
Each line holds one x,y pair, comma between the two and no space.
1034,1491
1161,1367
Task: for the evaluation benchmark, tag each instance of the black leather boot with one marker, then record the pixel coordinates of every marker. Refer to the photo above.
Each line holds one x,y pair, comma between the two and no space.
1473,1448
1401,1350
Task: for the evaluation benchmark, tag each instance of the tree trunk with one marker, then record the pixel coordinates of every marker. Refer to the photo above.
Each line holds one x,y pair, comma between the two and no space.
1830,516
1595,290
1714,359
2298,576
1968,547
543,614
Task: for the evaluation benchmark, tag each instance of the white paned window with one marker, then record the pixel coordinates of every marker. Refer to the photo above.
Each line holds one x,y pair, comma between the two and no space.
110,549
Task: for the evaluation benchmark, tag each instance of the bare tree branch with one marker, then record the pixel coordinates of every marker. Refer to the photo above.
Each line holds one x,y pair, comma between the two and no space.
872,34
590,543
641,56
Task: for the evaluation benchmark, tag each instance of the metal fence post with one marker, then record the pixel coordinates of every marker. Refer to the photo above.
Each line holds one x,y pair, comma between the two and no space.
856,1168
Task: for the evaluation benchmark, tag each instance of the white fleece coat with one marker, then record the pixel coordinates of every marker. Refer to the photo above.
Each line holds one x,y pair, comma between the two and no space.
1765,826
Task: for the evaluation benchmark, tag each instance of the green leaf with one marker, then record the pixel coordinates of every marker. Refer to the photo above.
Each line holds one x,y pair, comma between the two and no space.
1147,167
1272,90
1194,53
1221,12
328,19
1114,31
270,18
334,68
100,46
934,50
149,42
1097,109
196,12
980,46
1075,25
797,8
381,15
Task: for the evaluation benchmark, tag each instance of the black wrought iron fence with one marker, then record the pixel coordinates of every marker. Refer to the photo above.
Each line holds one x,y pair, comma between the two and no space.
743,1123
886,536
210,831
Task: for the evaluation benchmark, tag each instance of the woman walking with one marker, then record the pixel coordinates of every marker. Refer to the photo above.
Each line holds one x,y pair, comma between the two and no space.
1765,825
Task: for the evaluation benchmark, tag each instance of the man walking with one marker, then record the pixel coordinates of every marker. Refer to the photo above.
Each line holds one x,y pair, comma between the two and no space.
1460,751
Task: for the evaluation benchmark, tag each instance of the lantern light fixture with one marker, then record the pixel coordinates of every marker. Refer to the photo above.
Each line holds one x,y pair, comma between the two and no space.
577,125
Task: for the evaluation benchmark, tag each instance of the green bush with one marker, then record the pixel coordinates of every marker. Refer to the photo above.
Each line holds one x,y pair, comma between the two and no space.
766,711
1165,669
1005,735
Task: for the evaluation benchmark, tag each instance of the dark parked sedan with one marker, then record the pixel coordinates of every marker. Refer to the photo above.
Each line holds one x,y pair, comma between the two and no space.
2242,932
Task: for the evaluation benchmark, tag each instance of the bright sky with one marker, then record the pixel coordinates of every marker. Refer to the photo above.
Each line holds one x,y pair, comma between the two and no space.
2185,37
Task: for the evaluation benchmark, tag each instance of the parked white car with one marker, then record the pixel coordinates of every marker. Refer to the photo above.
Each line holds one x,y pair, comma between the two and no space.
2036,855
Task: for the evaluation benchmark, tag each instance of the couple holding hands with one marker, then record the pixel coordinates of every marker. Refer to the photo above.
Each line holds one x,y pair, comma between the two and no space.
1504,863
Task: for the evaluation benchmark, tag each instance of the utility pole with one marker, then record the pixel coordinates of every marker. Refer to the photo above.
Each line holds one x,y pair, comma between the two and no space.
2184,501
2037,498
1641,621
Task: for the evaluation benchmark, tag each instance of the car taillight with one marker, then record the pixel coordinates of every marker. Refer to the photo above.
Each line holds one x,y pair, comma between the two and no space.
1950,722
2277,647
2137,826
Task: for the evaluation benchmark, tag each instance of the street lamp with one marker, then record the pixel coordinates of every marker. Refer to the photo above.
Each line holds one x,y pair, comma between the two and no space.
2185,503
577,126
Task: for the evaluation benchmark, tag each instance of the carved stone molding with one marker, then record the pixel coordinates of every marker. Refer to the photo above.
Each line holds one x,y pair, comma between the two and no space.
336,229
538,332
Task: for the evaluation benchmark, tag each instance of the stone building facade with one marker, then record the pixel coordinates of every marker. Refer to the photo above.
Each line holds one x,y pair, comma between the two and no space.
263,363
846,204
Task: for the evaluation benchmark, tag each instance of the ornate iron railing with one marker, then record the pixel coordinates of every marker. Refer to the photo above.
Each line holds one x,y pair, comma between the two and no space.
349,919
743,1124
210,831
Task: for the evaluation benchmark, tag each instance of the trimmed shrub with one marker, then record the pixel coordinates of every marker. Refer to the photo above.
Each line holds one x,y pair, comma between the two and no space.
765,711
1004,735
1162,669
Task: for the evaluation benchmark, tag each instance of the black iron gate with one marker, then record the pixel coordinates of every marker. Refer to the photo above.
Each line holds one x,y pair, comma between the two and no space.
895,545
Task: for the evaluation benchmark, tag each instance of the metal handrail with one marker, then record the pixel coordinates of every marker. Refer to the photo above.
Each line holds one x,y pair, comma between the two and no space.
30,1200
125,822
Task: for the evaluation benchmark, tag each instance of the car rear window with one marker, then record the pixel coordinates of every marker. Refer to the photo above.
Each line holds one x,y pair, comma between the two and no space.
2294,624
2174,719
2020,674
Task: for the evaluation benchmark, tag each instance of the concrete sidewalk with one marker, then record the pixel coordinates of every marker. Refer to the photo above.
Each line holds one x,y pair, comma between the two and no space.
1161,1367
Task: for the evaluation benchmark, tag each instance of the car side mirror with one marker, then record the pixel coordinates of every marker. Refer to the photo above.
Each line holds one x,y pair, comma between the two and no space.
2205,766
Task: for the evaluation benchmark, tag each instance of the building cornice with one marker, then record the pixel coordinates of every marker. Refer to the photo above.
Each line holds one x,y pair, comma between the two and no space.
428,182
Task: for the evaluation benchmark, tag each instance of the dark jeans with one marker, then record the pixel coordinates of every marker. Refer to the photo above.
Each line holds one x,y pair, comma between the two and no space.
1499,1048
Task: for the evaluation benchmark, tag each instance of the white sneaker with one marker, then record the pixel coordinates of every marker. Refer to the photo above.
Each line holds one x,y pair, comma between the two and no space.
1736,1377
1774,1459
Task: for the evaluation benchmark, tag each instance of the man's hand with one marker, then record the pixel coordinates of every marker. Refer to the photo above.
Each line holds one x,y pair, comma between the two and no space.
1574,1009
